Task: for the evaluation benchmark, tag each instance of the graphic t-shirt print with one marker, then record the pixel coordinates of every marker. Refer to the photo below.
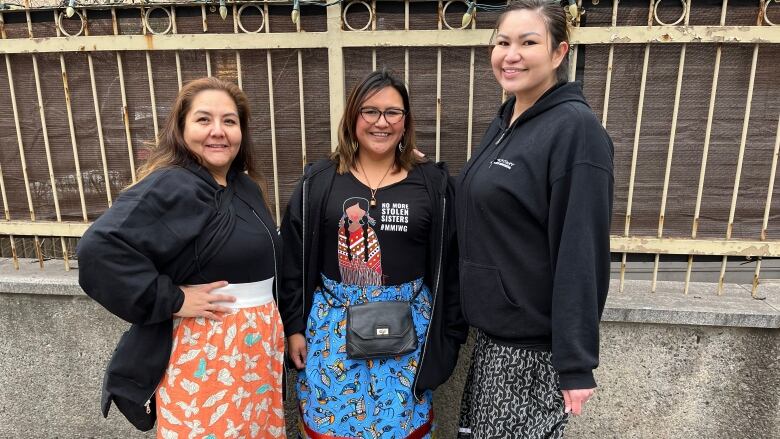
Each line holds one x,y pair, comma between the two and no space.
395,217
360,257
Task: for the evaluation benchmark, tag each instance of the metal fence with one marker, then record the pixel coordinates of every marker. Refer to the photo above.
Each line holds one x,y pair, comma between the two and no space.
688,90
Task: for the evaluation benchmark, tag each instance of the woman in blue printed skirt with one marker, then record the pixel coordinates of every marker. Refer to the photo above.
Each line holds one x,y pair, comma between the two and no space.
372,223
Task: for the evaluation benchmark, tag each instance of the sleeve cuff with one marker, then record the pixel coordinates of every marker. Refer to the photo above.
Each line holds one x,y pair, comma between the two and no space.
577,380
167,300
178,302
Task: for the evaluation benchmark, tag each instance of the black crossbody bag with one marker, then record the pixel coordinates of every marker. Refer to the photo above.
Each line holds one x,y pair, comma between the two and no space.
379,329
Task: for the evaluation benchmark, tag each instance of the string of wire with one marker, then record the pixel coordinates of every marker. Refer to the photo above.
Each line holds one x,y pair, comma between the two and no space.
102,3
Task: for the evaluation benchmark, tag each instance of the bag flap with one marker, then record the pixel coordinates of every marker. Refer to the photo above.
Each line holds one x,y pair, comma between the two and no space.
380,320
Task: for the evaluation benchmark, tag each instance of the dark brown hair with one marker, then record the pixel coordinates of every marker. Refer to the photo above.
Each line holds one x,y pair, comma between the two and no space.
346,151
170,148
554,18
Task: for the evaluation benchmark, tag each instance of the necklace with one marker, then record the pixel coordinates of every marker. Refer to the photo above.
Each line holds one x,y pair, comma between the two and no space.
372,203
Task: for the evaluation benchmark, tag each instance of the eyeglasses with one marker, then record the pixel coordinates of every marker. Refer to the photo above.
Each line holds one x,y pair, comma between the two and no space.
392,115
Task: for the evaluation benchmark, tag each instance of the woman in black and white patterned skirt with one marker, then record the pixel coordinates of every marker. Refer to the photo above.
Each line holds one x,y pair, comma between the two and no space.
533,212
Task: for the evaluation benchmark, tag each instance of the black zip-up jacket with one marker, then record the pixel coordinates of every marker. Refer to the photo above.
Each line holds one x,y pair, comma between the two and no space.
302,266
533,210
132,259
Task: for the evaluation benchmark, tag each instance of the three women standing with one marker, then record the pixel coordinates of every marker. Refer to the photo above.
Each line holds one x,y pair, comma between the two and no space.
372,224
533,211
189,255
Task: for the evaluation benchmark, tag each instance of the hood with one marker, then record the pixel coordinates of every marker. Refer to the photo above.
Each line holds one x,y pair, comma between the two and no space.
557,95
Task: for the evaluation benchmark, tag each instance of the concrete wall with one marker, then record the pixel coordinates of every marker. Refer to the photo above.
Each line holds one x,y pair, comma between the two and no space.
671,366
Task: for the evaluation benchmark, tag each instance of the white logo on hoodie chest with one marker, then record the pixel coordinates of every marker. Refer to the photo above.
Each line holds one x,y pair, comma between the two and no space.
503,163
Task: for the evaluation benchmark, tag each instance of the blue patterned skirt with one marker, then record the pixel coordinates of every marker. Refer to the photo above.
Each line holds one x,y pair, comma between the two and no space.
361,398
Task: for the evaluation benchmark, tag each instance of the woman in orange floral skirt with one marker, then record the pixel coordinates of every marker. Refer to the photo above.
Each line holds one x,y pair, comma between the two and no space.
189,255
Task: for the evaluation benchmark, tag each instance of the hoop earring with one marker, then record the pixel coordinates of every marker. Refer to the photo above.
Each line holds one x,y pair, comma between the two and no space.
401,146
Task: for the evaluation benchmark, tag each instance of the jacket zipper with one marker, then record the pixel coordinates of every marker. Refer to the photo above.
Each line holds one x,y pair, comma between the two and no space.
303,252
149,399
501,137
148,402
498,142
276,278
464,251
466,177
435,293
273,248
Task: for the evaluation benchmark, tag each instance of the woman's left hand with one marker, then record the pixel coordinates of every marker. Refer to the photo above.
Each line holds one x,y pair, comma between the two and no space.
296,346
575,400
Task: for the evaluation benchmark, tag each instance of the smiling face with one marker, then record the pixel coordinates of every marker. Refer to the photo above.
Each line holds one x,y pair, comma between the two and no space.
212,131
379,139
523,61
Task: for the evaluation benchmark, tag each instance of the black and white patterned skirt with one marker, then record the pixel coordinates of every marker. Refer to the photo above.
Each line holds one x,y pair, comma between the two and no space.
511,393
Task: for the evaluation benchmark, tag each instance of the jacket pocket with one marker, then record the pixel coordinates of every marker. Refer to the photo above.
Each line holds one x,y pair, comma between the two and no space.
485,303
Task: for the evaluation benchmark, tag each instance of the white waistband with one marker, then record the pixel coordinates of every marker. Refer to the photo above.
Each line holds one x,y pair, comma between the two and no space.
248,294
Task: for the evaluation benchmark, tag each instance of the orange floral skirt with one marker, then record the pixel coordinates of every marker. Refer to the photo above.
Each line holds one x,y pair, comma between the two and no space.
224,379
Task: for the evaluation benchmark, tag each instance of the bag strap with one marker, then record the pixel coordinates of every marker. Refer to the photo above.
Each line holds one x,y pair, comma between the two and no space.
340,302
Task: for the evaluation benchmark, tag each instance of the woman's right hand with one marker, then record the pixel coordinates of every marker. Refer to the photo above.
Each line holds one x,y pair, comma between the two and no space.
198,302
574,400
296,346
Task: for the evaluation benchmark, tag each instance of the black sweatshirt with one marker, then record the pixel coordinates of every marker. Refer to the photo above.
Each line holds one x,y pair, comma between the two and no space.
533,211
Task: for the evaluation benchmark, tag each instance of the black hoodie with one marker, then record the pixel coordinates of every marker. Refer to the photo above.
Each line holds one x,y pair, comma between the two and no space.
533,211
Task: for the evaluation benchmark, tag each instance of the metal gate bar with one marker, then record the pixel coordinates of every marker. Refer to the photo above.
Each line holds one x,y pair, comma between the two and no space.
336,38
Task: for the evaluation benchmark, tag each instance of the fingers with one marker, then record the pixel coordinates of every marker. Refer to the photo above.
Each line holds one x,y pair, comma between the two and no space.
220,298
298,355
208,288
576,406
211,316
297,348
213,312
215,285
220,309
205,288
588,396
574,400
299,359
199,302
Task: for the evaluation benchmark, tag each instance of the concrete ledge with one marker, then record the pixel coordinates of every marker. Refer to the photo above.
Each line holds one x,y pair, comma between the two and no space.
52,280
701,306
636,304
678,380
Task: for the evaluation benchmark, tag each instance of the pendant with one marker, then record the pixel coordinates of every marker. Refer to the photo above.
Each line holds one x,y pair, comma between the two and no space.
372,203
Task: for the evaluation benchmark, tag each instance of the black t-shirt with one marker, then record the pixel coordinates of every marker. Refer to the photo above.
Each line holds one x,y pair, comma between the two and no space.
246,256
382,245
